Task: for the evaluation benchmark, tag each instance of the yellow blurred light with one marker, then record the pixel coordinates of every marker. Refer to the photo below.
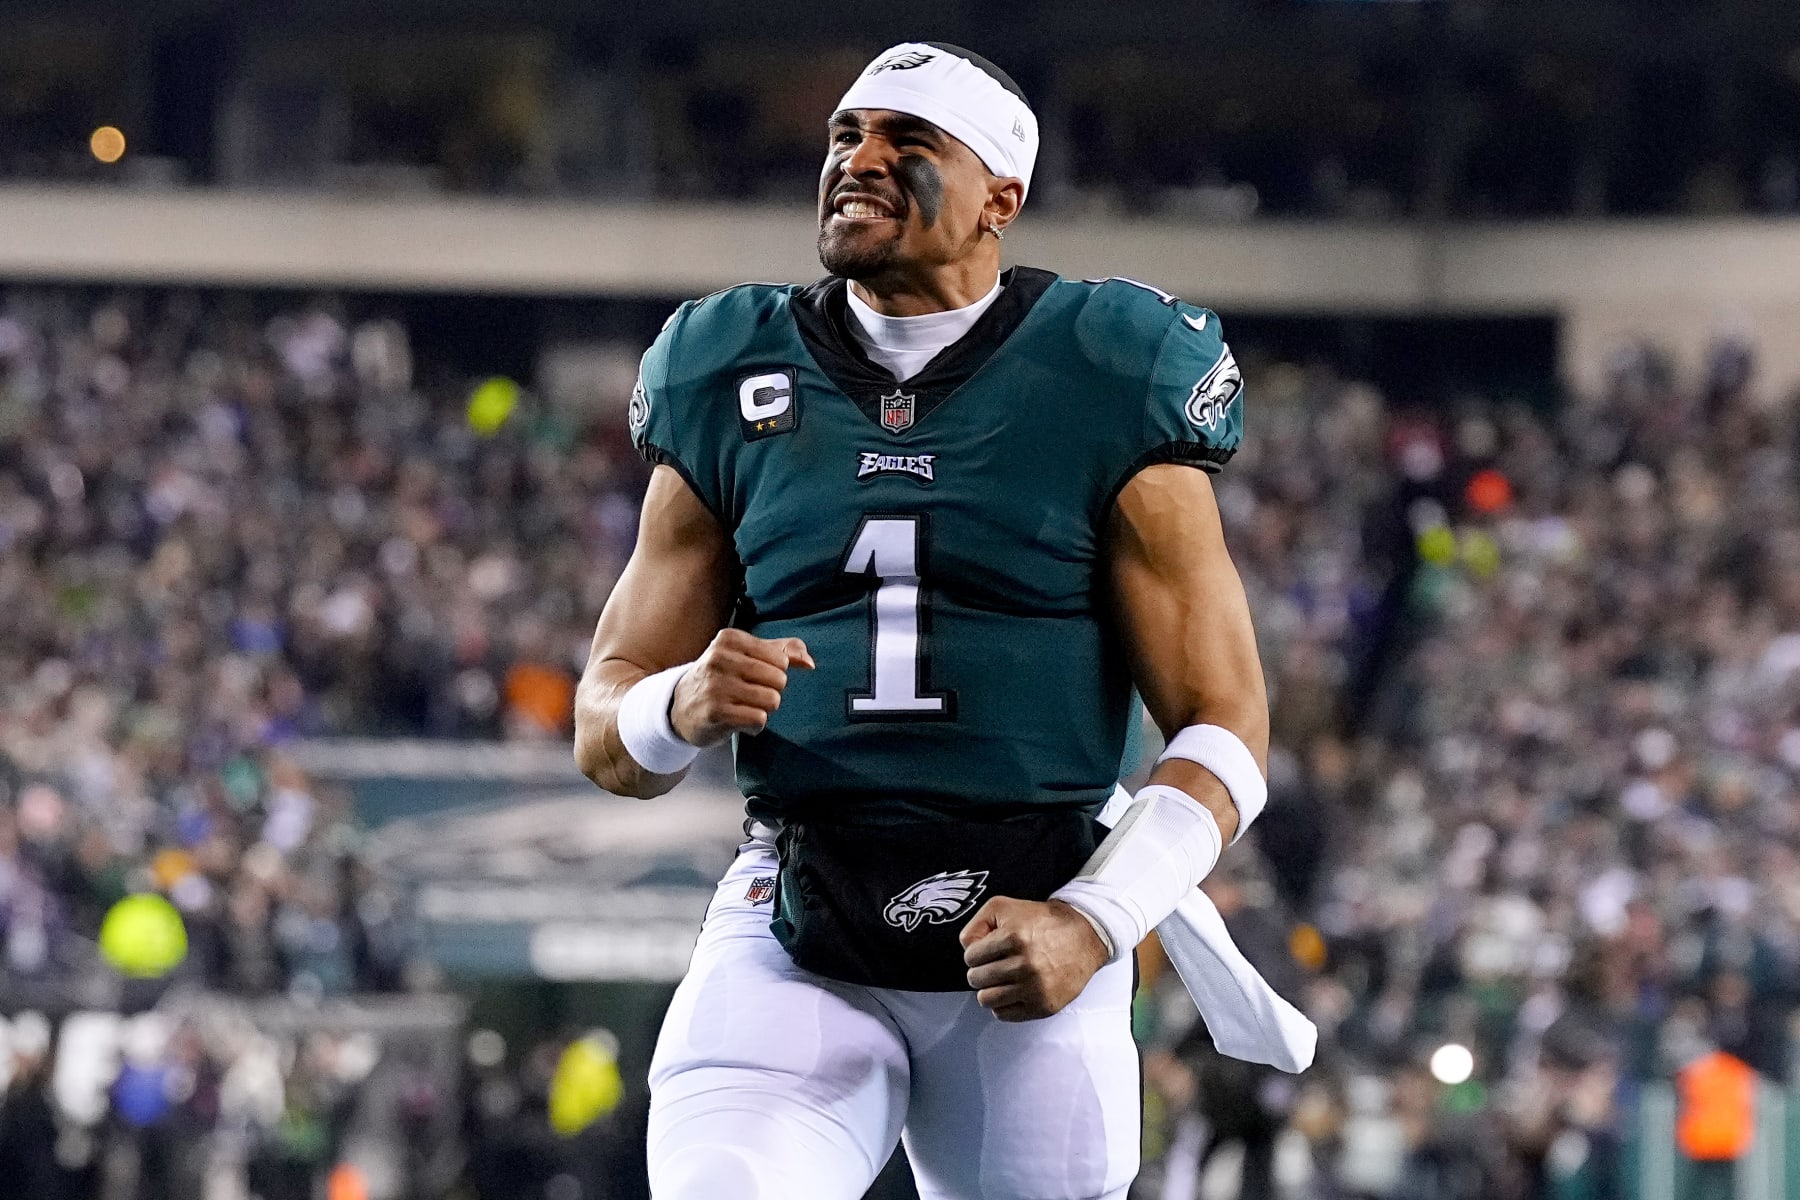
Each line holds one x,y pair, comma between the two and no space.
143,936
585,1087
1481,552
1437,546
107,144
491,403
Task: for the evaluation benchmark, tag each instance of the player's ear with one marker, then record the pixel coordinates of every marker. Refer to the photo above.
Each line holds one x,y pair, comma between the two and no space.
1005,197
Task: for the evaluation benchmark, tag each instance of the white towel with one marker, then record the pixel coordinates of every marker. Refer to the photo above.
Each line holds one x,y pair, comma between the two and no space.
1247,1018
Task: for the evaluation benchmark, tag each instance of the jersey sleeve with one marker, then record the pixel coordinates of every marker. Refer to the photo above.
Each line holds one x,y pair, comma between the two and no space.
665,428
1194,412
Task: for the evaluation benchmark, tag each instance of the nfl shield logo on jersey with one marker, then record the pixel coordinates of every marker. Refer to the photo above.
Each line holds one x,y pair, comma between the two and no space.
762,889
897,412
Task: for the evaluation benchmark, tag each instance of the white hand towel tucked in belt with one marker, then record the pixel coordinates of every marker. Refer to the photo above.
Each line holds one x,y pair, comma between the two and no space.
1247,1018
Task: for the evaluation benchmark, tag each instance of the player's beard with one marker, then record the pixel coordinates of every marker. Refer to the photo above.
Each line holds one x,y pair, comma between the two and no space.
858,254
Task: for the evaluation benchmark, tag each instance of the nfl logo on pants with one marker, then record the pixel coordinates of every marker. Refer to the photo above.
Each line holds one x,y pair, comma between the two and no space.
762,889
897,412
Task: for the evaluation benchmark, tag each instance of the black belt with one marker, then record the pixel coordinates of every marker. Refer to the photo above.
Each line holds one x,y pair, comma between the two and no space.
882,905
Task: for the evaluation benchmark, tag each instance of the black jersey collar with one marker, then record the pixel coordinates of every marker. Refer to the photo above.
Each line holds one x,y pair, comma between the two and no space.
822,316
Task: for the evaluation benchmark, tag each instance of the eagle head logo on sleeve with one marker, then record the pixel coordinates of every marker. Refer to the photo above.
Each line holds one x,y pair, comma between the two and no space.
936,899
638,414
1212,397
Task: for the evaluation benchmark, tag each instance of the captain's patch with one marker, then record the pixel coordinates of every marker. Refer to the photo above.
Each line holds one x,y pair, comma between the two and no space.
767,404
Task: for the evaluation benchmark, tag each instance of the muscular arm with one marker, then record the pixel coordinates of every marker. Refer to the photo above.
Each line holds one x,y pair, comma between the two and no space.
669,608
1186,624
674,595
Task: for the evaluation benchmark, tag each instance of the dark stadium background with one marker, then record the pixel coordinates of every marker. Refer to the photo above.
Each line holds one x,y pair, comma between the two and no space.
301,538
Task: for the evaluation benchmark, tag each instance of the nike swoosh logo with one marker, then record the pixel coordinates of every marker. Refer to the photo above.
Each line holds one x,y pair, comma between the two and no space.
1196,324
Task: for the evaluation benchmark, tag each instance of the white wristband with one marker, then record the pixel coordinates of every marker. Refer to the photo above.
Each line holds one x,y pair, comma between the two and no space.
1160,850
1224,754
644,724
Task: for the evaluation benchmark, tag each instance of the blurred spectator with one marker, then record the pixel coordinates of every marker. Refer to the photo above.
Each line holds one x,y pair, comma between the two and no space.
1235,1103
27,1121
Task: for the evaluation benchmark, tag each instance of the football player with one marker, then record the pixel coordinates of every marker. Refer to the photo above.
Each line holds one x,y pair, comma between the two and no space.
913,534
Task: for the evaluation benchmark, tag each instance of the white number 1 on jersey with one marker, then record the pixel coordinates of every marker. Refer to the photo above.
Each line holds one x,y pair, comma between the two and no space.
889,548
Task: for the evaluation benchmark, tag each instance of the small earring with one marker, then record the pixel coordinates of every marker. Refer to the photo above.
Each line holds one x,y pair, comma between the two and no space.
994,228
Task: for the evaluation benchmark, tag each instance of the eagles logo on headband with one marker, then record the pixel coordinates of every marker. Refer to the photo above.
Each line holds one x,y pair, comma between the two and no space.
961,93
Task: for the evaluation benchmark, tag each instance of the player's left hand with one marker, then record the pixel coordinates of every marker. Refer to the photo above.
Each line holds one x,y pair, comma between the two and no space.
1028,958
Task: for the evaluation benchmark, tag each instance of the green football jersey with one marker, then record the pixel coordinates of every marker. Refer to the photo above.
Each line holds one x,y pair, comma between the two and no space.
938,543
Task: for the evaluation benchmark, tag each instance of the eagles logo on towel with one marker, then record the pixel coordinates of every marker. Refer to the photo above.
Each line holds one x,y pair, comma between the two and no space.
936,899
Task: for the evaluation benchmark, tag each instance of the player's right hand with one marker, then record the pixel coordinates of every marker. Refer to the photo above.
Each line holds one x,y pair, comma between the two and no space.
734,686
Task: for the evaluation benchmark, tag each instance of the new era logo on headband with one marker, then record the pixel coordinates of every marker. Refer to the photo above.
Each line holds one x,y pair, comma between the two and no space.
1018,129
901,62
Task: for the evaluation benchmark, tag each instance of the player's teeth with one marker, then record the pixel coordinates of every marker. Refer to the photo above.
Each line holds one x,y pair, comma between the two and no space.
859,208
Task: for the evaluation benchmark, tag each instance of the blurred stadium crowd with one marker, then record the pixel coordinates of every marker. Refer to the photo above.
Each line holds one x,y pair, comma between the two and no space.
1536,686
217,535
1564,833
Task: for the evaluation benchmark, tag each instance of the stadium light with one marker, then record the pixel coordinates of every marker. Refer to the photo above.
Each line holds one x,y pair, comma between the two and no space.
107,144
1452,1064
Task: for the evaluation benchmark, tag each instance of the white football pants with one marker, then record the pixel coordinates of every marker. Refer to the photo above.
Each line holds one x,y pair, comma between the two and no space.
773,1083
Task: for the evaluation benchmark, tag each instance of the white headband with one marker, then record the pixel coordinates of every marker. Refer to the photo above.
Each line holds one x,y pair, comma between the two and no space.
959,97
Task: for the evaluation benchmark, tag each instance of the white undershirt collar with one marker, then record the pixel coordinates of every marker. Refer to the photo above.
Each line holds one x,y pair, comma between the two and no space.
905,344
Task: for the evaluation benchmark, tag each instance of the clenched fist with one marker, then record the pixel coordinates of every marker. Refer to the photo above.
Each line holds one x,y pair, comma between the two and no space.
734,686
1028,958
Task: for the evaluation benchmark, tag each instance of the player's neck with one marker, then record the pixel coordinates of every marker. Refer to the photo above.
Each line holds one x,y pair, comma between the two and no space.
957,285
